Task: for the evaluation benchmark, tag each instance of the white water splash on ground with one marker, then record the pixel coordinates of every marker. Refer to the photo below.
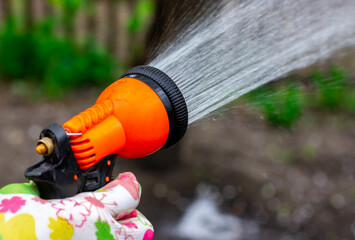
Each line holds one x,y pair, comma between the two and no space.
203,220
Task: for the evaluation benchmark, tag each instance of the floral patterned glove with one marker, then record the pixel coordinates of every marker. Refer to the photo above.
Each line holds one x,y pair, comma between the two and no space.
107,214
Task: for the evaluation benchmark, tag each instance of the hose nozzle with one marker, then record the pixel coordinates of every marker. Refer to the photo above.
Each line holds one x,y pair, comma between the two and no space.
135,116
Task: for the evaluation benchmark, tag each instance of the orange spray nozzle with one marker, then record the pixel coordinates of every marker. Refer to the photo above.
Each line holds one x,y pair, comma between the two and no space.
135,116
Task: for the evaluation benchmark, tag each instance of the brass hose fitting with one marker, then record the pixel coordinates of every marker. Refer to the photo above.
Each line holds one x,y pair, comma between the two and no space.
44,146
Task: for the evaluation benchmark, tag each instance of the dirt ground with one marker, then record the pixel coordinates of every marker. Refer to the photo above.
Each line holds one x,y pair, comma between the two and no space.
297,183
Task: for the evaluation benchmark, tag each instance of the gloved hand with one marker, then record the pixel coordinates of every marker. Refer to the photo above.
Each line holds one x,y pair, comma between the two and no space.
107,214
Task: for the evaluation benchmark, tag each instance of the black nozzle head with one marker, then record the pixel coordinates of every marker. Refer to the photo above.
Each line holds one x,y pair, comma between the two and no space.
170,95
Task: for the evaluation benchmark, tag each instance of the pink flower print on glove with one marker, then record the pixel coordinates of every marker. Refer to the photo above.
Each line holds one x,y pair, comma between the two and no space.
13,204
109,213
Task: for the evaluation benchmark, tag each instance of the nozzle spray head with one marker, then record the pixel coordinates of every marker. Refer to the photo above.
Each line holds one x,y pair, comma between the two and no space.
169,94
135,116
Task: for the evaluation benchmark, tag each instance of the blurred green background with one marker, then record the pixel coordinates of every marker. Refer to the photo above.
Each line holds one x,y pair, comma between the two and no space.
70,44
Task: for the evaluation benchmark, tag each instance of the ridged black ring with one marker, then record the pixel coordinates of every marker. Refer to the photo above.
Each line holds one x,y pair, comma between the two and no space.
178,123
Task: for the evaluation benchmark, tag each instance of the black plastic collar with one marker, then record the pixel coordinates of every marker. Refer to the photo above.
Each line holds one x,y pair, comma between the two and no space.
170,95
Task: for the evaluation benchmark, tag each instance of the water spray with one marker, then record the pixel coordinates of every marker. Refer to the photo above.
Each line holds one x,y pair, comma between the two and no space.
135,116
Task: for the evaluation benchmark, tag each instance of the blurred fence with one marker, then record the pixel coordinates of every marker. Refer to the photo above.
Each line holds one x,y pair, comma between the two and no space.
119,25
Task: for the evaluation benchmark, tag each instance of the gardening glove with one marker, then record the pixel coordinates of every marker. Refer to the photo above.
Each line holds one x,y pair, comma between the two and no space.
109,213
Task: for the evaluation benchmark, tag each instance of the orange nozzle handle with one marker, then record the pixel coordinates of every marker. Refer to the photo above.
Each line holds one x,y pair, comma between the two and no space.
133,117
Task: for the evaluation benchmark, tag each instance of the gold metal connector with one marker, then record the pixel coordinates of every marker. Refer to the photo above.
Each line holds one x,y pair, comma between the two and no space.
45,146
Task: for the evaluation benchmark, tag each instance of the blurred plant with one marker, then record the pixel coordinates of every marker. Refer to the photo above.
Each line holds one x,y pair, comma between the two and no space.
70,9
350,101
138,23
142,13
16,51
282,107
53,63
330,88
73,67
40,56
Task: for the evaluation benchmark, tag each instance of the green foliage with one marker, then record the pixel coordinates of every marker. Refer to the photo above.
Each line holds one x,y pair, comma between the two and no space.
16,51
137,25
71,68
72,5
330,88
139,19
281,107
52,63
38,59
350,101
70,9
